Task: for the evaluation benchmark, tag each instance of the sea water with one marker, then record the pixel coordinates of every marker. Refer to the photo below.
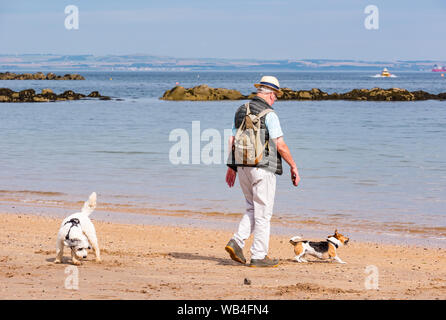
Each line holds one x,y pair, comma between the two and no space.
380,165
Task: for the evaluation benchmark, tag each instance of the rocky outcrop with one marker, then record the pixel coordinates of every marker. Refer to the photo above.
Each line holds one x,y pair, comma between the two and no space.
288,94
205,93
202,93
39,76
47,95
376,94
96,94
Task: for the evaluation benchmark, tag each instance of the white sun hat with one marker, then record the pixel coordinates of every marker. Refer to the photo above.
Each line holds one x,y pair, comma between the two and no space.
271,83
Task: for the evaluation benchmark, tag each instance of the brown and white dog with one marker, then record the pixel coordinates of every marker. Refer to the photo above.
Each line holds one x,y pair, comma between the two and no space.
322,249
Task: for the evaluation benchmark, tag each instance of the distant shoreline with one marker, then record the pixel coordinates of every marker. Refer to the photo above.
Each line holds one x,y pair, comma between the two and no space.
146,62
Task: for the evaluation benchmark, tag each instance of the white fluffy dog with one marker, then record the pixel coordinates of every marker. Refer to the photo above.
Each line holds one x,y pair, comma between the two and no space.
77,232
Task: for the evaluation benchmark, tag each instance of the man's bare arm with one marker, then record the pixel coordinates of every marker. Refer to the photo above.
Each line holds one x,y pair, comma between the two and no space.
284,151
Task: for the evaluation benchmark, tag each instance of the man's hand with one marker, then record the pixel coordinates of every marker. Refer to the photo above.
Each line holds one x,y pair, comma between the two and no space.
231,175
295,176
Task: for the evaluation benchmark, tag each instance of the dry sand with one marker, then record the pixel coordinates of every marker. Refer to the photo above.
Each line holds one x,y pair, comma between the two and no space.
164,262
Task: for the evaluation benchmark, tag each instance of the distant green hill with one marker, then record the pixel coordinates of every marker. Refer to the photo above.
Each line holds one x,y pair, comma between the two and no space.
141,62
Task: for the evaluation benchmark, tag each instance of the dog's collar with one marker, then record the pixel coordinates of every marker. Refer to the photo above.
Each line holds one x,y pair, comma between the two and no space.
333,241
74,222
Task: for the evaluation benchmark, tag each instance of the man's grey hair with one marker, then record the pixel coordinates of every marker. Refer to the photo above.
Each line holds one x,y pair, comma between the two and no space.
263,89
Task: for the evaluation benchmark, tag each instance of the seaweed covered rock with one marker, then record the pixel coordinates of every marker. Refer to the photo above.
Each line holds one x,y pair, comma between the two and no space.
47,95
378,94
202,93
206,93
39,76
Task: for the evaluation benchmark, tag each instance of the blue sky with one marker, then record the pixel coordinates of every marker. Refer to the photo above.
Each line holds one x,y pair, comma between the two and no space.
283,29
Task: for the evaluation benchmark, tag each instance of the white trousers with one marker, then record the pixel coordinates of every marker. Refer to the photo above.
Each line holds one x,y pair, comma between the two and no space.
259,188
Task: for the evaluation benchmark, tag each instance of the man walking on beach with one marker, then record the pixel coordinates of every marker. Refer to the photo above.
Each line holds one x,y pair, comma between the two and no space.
257,179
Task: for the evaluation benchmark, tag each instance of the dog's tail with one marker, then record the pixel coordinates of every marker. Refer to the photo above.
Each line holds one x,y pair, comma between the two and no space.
90,205
294,240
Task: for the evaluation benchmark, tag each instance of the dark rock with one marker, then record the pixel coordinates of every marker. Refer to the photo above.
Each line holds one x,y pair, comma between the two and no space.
40,98
69,95
202,93
442,96
49,94
77,77
376,94
94,94
304,95
39,76
176,93
72,77
6,92
5,98
423,95
29,95
7,76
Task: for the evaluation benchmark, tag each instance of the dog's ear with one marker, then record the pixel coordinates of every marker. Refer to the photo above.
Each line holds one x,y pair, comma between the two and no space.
72,242
333,235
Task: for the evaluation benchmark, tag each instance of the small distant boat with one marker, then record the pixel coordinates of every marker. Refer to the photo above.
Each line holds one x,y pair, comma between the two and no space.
438,68
385,73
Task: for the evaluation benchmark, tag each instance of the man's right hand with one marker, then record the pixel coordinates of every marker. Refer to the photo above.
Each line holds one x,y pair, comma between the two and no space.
295,176
231,175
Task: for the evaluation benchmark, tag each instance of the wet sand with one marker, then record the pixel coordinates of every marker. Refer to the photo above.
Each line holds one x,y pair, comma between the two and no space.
167,262
124,210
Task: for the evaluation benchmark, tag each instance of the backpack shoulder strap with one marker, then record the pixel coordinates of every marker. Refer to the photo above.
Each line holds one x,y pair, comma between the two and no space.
264,113
248,111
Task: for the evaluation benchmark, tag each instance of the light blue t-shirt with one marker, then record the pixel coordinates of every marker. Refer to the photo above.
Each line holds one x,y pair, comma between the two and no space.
272,124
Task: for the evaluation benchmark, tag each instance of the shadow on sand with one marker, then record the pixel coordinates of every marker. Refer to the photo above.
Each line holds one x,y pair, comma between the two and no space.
195,256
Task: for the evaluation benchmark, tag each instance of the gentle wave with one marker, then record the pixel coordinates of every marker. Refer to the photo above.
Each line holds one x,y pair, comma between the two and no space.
30,192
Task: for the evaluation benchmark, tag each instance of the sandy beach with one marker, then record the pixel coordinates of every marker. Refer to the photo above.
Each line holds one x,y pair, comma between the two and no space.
166,262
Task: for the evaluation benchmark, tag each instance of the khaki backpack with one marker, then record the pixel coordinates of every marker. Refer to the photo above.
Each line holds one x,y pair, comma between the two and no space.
248,147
